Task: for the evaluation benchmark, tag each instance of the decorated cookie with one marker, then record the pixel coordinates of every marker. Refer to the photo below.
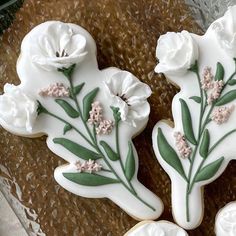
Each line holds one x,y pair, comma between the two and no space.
225,224
159,228
89,115
198,146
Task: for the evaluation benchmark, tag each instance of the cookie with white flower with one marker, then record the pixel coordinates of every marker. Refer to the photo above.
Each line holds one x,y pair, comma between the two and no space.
156,228
225,224
89,115
192,149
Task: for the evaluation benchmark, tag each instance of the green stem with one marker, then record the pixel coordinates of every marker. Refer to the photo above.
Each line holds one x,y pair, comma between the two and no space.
118,152
67,123
100,152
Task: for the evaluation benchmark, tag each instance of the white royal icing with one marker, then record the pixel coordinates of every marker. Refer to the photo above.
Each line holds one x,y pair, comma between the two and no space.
57,46
193,151
225,224
81,111
130,95
176,53
17,109
225,31
160,228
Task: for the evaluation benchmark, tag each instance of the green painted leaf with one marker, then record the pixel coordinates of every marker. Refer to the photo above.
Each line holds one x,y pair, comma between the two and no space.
67,128
196,99
70,111
130,163
77,149
228,97
220,72
169,154
204,147
87,101
78,88
187,122
209,170
88,179
232,82
110,153
67,72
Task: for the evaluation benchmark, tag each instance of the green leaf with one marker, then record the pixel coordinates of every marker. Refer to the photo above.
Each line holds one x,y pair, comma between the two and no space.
228,97
232,82
196,99
67,72
77,149
169,154
204,147
187,122
77,89
87,101
67,128
194,67
110,153
220,72
130,163
88,179
70,111
209,170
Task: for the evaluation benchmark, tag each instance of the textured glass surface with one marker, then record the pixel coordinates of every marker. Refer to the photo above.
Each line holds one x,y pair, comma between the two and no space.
206,11
125,32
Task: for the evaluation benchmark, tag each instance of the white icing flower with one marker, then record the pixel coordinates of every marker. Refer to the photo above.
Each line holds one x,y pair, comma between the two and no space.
158,229
225,30
129,95
226,221
176,52
17,109
58,47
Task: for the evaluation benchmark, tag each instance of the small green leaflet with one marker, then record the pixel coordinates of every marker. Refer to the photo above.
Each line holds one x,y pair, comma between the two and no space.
110,153
209,170
196,99
77,89
187,122
204,147
67,72
67,128
87,102
232,82
88,179
169,154
228,97
220,72
77,149
130,163
70,111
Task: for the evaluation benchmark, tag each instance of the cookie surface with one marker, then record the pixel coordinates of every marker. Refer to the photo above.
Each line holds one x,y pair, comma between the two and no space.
194,152
159,228
226,220
90,116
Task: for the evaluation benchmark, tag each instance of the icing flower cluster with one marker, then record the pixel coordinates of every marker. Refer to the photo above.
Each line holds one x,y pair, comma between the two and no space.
88,166
55,90
96,118
182,145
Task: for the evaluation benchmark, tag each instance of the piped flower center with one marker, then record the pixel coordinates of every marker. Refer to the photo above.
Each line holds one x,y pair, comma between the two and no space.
123,98
62,54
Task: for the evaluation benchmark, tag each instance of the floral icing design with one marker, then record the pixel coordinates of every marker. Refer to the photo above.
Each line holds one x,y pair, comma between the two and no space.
88,166
129,95
58,47
176,53
85,128
225,31
225,224
55,90
193,152
161,228
17,108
